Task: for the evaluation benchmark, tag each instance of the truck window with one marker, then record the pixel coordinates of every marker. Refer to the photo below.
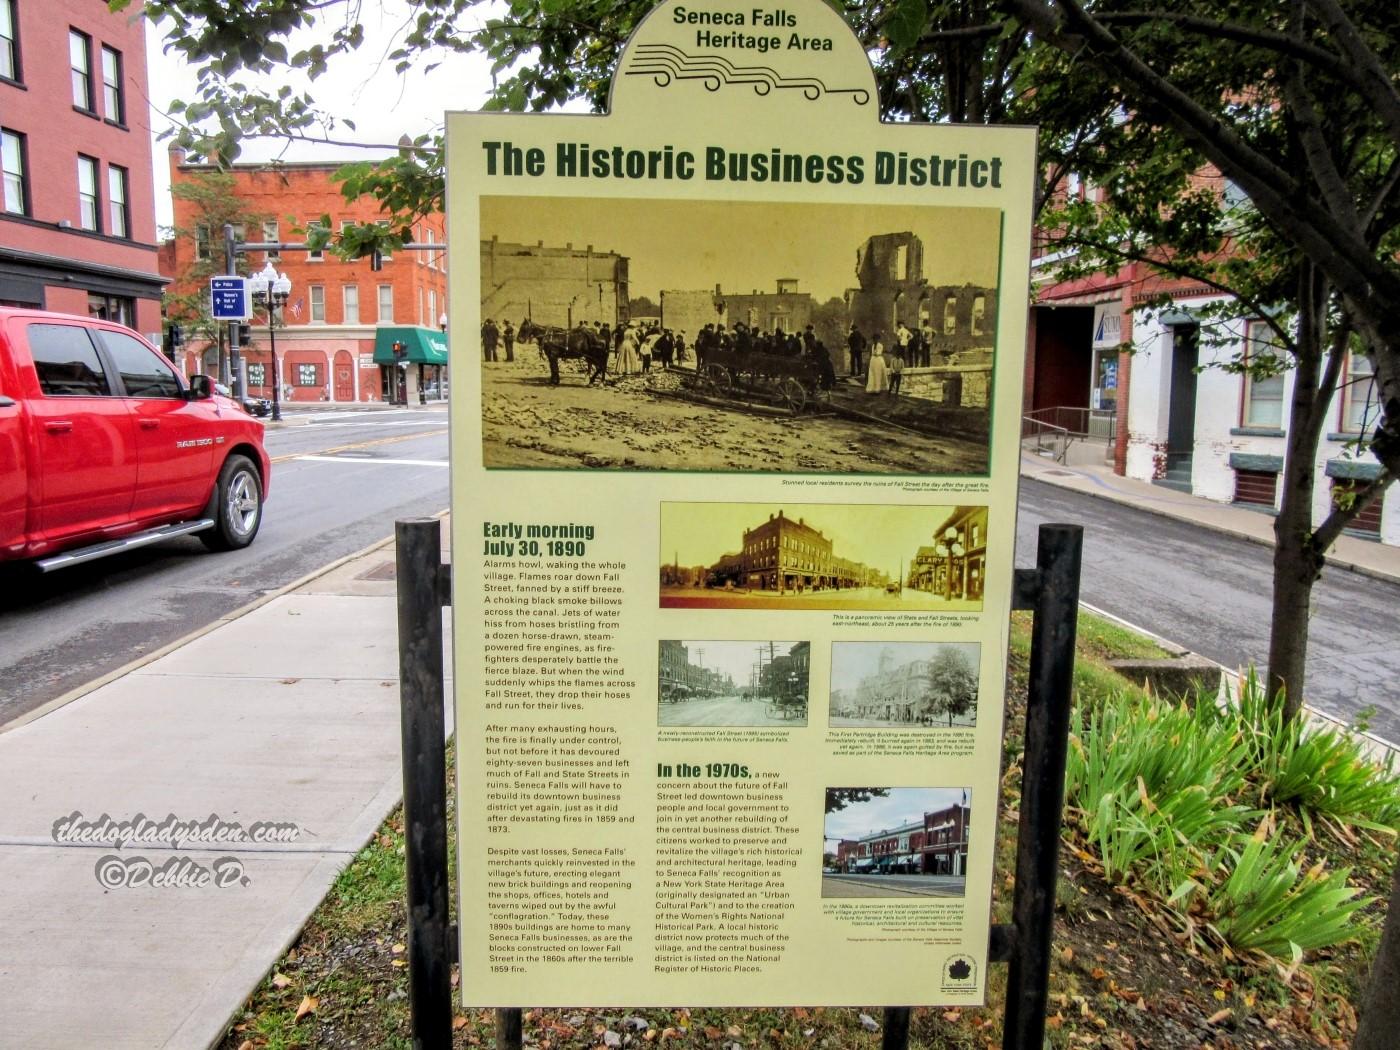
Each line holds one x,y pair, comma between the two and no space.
143,373
66,361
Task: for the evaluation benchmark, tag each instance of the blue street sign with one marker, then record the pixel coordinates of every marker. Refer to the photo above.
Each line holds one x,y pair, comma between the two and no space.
229,298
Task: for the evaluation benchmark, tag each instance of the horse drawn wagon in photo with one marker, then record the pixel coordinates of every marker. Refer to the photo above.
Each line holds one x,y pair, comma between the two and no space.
788,699
789,382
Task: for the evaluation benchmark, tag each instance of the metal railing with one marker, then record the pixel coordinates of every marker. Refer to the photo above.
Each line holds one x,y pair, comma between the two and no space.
1053,430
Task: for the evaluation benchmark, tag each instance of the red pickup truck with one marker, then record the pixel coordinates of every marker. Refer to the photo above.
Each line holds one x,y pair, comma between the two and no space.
105,447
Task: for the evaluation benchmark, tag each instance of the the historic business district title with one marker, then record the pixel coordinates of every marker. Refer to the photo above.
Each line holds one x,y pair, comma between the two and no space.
584,160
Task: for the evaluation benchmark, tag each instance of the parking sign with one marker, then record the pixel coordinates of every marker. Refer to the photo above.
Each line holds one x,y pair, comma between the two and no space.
229,298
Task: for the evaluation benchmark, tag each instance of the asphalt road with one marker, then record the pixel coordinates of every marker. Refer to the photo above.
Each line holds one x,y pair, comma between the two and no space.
1210,593
338,485
727,711
893,885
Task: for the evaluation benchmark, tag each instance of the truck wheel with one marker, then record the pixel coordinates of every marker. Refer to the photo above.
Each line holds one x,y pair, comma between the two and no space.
237,506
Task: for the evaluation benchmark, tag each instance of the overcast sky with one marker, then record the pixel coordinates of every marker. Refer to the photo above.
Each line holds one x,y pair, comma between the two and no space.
902,806
363,87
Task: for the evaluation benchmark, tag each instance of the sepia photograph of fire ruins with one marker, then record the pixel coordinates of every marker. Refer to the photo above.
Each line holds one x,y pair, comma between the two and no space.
711,336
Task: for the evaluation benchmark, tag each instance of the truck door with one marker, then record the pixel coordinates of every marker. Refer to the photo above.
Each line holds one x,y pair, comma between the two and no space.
82,436
14,476
174,436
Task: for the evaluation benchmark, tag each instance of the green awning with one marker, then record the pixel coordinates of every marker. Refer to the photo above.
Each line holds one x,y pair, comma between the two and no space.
425,346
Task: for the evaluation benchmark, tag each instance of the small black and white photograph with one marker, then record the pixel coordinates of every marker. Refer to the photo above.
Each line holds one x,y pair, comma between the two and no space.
733,683
719,336
822,556
904,685
896,842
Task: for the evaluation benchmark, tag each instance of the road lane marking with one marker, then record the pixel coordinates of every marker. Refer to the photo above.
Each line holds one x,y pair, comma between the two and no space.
352,447
371,459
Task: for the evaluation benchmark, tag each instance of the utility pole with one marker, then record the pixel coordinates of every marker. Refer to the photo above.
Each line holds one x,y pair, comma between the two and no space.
235,379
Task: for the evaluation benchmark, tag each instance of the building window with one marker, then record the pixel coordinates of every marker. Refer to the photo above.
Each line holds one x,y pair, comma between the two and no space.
16,181
272,234
1263,396
318,303
201,242
113,99
430,257
385,255
318,254
118,308
9,42
950,316
118,210
80,63
1360,399
979,313
89,218
386,304
308,375
432,306
350,296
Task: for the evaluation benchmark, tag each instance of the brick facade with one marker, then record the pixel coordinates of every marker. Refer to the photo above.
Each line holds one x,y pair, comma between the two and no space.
65,245
326,343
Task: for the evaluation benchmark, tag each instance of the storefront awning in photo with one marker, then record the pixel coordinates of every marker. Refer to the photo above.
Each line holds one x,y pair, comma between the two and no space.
416,346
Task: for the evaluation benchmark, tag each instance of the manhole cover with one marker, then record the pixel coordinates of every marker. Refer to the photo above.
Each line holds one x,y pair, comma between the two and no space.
385,570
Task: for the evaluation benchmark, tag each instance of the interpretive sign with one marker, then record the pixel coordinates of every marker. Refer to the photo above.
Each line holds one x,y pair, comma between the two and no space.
735,430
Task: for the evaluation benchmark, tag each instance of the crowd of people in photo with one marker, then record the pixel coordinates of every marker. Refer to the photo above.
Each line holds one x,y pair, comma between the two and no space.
636,348
883,371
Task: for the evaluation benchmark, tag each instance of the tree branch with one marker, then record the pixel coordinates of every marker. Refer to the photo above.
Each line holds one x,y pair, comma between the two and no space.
1373,81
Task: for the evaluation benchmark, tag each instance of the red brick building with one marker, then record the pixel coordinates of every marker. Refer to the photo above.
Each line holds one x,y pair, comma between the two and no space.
342,319
77,211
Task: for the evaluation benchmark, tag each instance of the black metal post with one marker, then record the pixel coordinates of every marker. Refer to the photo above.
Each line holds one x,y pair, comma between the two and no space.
896,1031
421,597
276,372
510,1028
1043,783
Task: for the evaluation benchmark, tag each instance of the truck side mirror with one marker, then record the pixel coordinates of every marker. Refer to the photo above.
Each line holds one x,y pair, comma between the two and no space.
201,388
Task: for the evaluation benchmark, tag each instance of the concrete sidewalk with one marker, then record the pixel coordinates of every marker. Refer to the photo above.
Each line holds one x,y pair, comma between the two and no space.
288,712
1365,556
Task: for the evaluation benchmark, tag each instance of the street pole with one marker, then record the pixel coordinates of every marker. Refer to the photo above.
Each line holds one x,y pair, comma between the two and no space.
276,372
235,361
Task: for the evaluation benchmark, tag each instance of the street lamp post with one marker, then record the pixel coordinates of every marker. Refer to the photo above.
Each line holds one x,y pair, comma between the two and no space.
271,291
949,547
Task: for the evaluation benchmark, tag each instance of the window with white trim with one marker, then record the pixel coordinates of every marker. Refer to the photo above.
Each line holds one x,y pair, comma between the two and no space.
350,300
1263,395
118,208
9,42
16,180
1360,396
317,293
386,304
272,234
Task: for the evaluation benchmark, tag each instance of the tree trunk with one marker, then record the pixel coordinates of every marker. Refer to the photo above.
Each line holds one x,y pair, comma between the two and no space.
1297,560
1380,1011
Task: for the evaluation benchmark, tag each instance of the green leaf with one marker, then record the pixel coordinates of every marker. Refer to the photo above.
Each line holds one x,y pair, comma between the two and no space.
907,23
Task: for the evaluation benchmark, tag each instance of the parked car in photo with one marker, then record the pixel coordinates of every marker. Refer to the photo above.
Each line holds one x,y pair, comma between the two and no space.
104,447
254,406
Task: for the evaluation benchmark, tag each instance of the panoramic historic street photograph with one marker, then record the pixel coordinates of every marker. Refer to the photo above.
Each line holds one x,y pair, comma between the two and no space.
822,556
657,335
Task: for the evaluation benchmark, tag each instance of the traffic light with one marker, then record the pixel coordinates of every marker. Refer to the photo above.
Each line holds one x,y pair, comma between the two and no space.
245,334
376,260
177,336
400,351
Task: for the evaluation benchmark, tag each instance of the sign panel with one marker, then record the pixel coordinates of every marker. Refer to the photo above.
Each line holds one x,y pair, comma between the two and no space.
229,299
734,492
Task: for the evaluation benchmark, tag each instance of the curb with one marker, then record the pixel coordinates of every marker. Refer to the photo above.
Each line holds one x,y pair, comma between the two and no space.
1223,530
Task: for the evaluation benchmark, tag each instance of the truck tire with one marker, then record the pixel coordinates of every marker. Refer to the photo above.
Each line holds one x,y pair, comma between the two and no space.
237,506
